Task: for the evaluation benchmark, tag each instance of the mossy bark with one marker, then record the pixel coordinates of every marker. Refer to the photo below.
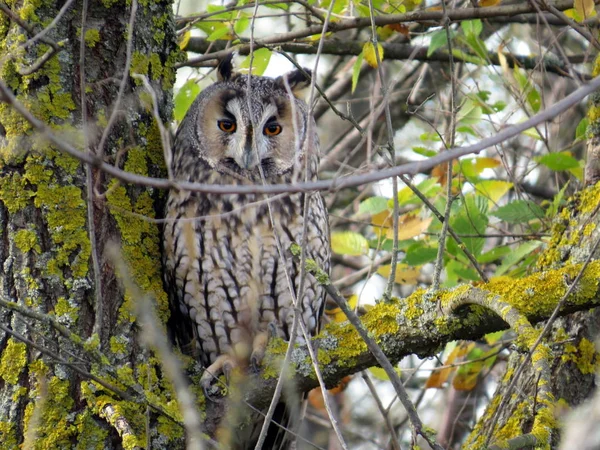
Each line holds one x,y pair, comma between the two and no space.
573,360
45,241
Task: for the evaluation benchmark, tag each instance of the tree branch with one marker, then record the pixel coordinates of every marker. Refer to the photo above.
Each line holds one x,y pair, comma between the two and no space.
392,51
412,168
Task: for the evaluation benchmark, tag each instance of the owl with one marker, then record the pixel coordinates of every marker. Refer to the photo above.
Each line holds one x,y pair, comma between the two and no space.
232,280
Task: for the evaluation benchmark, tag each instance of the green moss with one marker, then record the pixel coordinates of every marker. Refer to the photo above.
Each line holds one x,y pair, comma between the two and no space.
91,435
66,217
65,310
27,240
584,356
14,193
51,103
28,9
13,361
132,412
589,199
92,37
118,345
539,293
56,428
140,240
159,24
8,436
589,229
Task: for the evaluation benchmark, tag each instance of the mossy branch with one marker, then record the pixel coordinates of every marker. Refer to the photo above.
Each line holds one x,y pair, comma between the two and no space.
527,339
415,325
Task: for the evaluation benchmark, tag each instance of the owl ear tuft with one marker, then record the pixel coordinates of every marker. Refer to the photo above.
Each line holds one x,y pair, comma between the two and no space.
297,80
225,68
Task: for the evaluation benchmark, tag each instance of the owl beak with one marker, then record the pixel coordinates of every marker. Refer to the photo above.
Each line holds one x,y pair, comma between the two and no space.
249,157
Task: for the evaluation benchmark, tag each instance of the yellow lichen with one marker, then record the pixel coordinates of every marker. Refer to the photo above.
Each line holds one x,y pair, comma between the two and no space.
27,240
13,361
92,37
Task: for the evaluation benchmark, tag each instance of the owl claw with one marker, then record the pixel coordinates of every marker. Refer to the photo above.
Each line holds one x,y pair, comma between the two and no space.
259,348
224,365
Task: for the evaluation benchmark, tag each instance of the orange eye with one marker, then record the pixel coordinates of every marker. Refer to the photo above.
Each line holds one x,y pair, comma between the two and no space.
228,126
272,129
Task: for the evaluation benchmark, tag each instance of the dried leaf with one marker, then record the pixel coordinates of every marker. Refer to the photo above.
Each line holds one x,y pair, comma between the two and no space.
486,3
404,273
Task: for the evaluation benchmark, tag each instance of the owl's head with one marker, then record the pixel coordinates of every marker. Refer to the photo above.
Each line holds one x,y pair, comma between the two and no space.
243,123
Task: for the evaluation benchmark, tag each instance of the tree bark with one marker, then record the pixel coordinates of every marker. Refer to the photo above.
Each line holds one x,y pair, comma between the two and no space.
49,248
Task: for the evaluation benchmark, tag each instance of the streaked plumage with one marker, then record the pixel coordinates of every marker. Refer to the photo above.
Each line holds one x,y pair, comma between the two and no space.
227,283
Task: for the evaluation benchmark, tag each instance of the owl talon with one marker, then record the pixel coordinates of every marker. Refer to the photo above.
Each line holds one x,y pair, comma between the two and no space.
224,365
259,347
212,393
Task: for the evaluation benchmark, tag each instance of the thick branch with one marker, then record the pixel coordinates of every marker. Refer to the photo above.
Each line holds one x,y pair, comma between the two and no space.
392,51
416,326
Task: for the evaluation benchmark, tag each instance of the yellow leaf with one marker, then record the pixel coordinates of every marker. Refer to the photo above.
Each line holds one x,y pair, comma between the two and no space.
585,8
439,377
485,163
502,59
410,226
404,273
349,243
486,3
337,315
369,53
184,40
493,190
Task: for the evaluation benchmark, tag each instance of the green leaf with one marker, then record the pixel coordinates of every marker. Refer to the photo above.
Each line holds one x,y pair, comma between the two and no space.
470,219
466,273
260,62
499,106
469,113
210,27
406,196
423,151
356,70
558,161
492,338
581,131
472,27
517,255
493,255
532,133
373,205
349,243
184,99
466,57
419,254
438,40
241,24
531,94
519,211
557,202
218,34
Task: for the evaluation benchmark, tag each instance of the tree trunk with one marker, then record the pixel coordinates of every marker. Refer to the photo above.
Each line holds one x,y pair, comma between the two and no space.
54,259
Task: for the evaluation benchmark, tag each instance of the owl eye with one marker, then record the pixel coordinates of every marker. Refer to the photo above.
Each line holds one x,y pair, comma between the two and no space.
228,126
272,129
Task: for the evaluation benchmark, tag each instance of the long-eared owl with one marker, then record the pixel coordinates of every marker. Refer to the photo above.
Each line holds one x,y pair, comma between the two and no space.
229,271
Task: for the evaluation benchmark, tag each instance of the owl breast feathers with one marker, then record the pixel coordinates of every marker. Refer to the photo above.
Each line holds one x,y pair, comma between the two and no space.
231,277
